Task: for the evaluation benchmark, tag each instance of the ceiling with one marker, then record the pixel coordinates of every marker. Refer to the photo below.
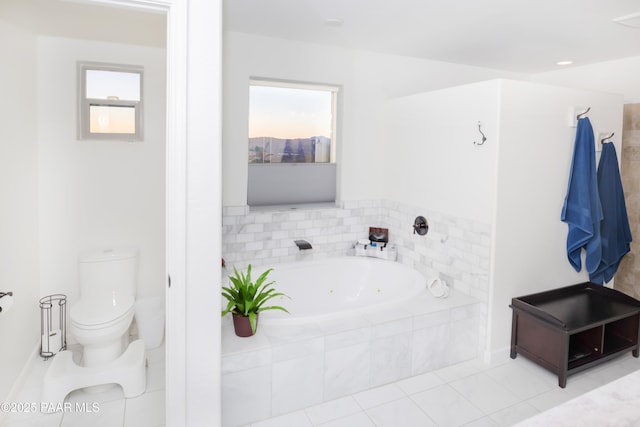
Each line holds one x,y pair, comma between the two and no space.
80,20
515,35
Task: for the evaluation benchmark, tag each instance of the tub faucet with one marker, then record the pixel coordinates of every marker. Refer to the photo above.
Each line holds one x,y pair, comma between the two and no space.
303,244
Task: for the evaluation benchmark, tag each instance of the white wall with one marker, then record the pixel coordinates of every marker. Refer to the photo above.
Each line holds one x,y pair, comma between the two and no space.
430,147
534,159
367,79
619,76
378,78
203,193
19,327
98,193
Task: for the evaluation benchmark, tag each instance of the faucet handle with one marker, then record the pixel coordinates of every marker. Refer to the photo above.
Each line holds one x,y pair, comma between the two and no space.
420,226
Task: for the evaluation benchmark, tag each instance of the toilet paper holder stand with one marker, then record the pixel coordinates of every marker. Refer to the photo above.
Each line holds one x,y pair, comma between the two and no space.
53,325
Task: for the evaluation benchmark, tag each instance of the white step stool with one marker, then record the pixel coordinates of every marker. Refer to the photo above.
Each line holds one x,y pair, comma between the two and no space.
64,376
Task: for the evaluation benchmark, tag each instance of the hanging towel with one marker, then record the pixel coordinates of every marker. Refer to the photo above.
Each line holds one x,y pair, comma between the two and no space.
615,232
582,210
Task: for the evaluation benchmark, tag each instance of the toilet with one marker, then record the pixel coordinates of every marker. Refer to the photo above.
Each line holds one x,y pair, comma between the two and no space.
100,322
101,318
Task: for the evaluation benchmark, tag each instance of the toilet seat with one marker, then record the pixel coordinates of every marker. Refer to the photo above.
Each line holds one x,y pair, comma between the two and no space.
86,315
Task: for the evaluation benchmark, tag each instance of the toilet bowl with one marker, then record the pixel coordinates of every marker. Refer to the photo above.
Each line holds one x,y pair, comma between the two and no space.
102,331
100,320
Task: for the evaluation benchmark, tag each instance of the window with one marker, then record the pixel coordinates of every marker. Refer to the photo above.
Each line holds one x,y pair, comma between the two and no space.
110,104
292,143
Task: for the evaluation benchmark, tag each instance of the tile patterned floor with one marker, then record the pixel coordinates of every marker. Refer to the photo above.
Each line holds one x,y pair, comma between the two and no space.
103,409
471,394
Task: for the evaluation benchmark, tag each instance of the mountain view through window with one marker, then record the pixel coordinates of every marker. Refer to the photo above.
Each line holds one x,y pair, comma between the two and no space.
290,125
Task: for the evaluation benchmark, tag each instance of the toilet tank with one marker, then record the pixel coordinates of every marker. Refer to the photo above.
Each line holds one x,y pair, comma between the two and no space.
108,273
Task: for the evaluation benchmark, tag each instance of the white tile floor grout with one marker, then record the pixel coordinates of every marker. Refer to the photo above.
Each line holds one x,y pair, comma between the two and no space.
104,409
471,394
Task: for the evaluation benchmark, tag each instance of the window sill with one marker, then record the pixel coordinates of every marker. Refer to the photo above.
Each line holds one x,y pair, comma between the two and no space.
293,207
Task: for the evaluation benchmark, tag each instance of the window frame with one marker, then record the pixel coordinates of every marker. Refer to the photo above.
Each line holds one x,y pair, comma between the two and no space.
329,168
85,104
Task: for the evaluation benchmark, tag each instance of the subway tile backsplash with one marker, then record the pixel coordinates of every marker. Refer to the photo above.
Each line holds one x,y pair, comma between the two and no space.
456,249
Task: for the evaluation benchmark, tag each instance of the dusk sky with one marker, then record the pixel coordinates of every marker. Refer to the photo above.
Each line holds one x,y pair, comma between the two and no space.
289,113
101,84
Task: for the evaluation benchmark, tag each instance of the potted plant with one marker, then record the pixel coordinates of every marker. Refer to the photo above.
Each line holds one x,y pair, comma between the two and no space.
246,300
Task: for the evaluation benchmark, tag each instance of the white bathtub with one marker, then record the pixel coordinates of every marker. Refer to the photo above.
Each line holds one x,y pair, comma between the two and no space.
325,288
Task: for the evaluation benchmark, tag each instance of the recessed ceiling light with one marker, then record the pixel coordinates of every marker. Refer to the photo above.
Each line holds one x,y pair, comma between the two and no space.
632,20
564,62
333,22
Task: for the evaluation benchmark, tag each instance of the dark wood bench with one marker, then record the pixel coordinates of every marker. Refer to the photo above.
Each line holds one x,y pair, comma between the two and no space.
570,329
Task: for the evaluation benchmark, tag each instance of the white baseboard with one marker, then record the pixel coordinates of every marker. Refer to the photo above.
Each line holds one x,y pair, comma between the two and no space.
497,357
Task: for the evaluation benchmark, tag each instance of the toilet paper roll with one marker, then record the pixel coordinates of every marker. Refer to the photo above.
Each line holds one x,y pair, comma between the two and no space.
5,303
52,342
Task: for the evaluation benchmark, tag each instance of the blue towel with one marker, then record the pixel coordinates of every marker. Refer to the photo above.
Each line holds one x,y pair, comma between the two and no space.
582,211
614,228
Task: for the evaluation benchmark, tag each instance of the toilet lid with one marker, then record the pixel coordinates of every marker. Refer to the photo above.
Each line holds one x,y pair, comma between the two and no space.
91,315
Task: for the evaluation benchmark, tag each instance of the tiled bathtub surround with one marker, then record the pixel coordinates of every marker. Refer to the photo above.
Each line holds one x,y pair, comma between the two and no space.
455,249
285,368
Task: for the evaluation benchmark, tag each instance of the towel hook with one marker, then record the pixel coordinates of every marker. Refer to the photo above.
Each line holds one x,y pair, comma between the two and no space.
6,294
602,141
579,116
484,138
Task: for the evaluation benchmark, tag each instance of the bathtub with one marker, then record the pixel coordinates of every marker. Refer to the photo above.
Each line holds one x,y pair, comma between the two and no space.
327,288
355,323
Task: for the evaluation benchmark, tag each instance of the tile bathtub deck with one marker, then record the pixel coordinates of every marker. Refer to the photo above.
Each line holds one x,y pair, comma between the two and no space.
341,355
